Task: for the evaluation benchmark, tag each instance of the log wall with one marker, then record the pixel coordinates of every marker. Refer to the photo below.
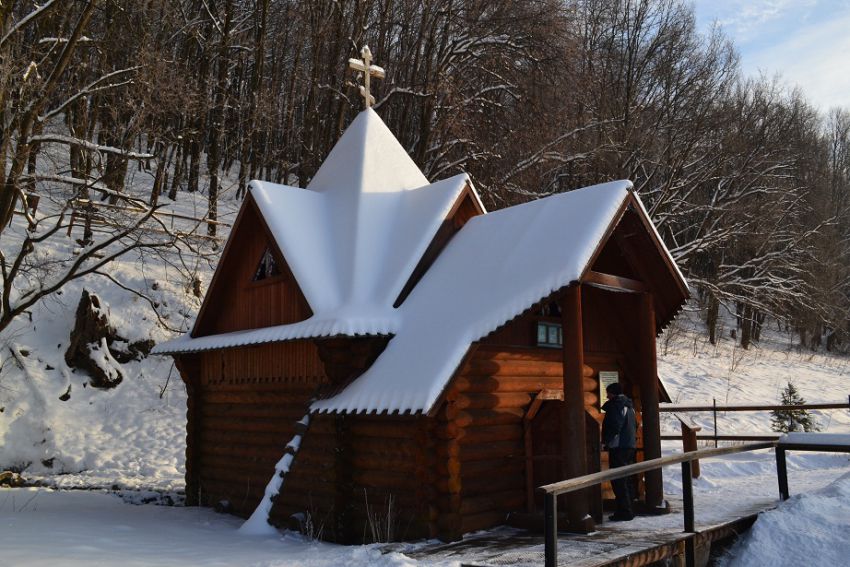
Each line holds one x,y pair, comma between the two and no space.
243,407
480,426
358,477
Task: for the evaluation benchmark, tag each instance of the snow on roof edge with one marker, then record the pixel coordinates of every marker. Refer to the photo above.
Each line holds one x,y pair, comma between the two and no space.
309,329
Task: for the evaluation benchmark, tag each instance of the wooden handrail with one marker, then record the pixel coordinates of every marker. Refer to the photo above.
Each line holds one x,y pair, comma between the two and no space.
826,443
755,407
551,492
570,485
708,437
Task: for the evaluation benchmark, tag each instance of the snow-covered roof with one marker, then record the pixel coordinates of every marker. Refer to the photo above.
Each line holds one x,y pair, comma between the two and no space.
353,238
495,268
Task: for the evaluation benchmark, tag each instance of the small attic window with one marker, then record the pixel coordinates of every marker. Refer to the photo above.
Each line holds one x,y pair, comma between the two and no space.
550,335
268,267
550,309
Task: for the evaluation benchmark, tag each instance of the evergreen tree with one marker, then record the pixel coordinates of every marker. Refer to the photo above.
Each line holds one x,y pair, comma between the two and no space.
788,420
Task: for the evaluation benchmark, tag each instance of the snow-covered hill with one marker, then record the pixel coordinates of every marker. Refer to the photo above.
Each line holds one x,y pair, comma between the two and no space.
58,430
696,372
54,426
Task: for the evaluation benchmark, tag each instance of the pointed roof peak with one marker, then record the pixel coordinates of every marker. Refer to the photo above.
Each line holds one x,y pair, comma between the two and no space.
367,159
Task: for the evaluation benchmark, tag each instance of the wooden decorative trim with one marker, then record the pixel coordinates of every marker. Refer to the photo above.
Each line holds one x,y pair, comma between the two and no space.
618,283
655,238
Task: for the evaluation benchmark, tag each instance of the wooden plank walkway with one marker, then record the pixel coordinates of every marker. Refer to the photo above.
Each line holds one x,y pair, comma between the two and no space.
640,542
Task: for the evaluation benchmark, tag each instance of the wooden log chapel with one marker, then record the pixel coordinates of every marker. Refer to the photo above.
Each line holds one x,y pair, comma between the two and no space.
452,360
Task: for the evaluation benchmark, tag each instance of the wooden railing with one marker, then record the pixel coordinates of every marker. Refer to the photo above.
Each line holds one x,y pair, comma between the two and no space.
552,491
714,408
817,442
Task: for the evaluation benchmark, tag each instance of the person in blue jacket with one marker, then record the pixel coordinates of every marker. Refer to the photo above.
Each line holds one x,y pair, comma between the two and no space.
619,432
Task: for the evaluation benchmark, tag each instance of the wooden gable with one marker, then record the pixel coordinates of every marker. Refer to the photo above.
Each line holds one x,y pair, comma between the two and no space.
633,254
253,286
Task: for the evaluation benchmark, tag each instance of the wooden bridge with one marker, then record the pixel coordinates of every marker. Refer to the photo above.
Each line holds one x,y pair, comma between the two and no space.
645,540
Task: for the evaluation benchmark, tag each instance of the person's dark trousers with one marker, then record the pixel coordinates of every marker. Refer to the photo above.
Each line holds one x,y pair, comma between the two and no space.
619,458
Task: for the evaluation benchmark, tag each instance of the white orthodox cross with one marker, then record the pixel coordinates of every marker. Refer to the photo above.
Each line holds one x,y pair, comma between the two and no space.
365,66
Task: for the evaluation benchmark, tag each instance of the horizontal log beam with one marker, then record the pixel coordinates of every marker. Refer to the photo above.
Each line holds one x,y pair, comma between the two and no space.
618,283
754,407
494,450
508,384
255,438
388,480
281,386
484,417
498,480
491,433
483,521
388,429
285,413
281,399
246,424
513,368
493,401
488,469
499,501
487,352
402,465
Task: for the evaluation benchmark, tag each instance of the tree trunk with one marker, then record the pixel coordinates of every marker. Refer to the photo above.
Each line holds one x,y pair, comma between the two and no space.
711,318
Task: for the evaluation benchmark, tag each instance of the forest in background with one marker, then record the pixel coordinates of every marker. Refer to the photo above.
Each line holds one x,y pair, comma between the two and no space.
748,184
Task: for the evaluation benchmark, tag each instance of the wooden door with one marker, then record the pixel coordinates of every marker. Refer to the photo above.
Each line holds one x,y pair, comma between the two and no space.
547,455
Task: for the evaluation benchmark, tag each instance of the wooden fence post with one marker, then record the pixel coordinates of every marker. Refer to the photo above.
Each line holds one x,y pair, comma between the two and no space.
689,439
782,474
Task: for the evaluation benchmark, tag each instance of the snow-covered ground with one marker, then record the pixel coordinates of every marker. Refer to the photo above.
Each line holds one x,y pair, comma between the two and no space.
132,438
46,527
696,373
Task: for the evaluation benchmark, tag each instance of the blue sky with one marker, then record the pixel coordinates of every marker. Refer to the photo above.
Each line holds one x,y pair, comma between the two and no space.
807,42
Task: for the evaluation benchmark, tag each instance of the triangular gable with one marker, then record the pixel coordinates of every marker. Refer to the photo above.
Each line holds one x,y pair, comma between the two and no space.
240,300
352,238
634,251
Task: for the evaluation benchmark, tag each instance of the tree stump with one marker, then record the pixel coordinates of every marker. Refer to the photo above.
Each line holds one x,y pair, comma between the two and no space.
90,340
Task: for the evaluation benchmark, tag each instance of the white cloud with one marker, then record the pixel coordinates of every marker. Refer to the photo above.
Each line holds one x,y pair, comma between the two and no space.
807,42
815,56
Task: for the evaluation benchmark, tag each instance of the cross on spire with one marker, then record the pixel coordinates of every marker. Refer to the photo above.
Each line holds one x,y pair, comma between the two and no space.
365,66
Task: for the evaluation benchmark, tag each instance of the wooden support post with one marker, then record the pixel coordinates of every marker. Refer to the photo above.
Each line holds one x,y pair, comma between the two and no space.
688,504
550,527
573,431
714,411
782,474
648,380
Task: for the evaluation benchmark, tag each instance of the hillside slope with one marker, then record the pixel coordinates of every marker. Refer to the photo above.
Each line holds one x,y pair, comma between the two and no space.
133,436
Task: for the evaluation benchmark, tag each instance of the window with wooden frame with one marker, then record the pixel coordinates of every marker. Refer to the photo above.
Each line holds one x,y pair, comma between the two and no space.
549,331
